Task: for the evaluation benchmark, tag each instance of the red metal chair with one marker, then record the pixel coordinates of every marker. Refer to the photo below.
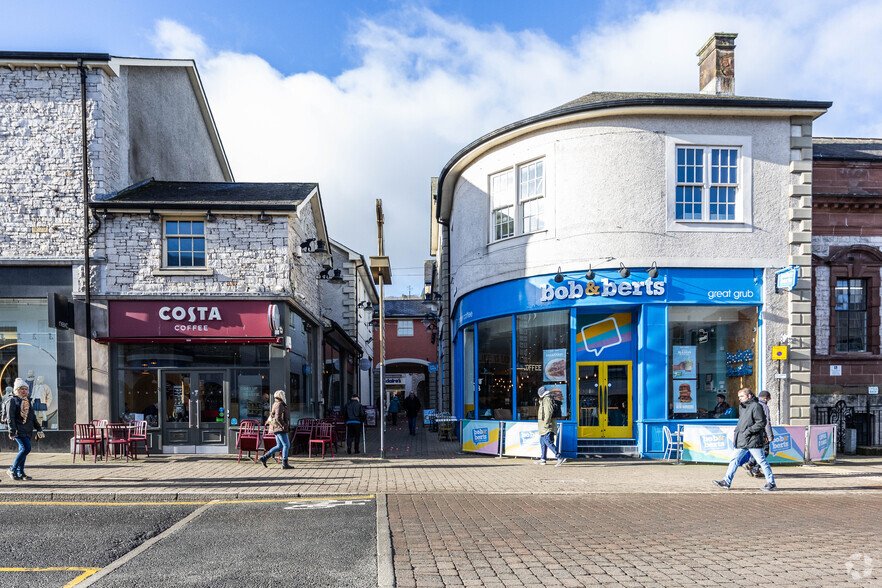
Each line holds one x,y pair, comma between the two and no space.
302,433
324,436
340,430
100,432
335,437
85,436
248,439
138,434
269,441
117,437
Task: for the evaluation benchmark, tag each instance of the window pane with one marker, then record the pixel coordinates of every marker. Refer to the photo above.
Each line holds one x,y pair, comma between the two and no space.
715,354
198,227
531,181
173,259
198,258
184,227
502,190
199,245
503,223
533,215
537,334
405,328
171,227
494,369
851,315
173,245
688,203
468,372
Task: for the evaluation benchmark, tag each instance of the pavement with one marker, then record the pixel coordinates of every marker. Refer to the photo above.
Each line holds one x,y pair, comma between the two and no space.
413,464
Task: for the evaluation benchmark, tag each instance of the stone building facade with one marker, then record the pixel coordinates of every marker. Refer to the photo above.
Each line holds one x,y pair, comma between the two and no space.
847,284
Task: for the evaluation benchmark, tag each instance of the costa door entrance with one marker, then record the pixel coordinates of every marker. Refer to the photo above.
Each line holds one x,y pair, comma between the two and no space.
605,400
194,411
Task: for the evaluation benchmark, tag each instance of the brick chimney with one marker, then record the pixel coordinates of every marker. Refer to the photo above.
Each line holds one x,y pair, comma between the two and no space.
716,65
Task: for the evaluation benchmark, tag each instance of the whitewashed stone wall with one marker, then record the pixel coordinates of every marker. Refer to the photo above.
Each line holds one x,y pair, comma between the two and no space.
40,159
247,258
305,269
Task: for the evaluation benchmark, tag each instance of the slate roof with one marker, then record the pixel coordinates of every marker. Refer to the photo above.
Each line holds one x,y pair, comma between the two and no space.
52,56
209,195
411,307
846,149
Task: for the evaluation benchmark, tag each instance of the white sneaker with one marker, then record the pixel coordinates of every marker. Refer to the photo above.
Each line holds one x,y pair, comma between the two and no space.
539,462
560,461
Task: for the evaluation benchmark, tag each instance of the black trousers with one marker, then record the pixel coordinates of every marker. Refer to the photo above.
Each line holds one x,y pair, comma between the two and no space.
353,435
393,416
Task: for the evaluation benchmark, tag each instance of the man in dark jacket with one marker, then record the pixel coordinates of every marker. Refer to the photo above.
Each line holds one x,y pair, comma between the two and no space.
412,407
750,436
22,424
354,413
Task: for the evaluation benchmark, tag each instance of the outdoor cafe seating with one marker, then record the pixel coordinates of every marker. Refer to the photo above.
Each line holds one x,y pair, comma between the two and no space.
248,439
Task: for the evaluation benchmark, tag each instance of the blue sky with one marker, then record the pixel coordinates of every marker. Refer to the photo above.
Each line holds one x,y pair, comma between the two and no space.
371,98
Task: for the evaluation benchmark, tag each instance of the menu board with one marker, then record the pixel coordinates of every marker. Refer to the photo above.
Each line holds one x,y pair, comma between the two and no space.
370,416
554,365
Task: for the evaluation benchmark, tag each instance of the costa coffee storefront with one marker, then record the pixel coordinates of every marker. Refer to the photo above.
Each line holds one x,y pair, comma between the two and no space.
194,369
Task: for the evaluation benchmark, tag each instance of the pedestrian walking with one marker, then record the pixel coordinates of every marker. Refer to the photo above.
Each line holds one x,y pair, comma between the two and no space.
394,408
749,438
548,425
355,415
412,408
279,421
22,422
752,466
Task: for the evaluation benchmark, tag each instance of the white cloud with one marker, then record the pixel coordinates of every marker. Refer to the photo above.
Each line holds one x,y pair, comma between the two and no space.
426,85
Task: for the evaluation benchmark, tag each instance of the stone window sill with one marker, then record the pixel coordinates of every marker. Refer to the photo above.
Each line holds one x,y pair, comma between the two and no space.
195,271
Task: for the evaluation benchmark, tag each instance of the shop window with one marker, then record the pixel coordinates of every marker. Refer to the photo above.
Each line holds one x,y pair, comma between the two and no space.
517,208
405,328
250,396
851,315
140,395
542,359
712,356
184,242
494,369
708,182
28,350
468,372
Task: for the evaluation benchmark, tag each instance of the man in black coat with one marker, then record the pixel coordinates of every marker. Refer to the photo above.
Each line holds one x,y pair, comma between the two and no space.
412,407
750,436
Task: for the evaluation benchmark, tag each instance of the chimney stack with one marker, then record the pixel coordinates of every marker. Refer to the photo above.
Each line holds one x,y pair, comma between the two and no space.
716,65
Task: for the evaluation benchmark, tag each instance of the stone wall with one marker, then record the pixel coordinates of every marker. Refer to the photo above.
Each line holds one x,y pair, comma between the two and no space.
41,158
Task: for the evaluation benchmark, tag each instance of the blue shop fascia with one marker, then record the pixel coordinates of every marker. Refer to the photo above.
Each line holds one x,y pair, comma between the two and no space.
630,353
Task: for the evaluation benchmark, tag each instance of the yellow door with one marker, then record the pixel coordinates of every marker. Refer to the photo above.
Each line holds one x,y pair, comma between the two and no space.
605,399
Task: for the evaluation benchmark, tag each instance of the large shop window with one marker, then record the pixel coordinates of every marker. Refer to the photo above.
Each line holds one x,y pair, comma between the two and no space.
851,315
140,367
543,351
517,207
28,350
494,369
468,372
712,356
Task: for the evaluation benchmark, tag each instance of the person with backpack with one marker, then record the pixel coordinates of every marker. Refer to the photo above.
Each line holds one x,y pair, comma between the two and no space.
21,419
549,412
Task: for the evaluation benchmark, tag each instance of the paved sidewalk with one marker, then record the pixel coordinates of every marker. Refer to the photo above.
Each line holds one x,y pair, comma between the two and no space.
419,464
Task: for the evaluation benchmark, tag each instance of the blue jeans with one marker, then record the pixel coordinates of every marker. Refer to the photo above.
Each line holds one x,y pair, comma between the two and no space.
283,444
24,447
411,422
546,442
741,456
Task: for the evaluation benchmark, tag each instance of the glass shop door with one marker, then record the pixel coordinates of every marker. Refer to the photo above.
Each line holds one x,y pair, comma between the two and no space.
605,405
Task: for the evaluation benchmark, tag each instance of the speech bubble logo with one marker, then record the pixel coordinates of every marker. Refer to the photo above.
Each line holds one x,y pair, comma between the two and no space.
606,330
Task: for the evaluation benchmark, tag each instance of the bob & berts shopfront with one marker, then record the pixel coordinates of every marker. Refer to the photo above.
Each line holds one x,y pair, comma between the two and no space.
630,354
195,369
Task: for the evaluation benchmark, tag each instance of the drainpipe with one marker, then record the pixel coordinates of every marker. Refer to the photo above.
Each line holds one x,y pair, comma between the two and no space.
446,304
86,235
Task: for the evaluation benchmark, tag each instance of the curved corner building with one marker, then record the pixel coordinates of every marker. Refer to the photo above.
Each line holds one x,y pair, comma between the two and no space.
624,248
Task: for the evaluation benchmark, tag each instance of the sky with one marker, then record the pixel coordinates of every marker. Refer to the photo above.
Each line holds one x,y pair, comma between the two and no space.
371,98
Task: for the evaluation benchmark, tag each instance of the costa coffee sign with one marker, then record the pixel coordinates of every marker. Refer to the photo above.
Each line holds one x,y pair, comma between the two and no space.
191,319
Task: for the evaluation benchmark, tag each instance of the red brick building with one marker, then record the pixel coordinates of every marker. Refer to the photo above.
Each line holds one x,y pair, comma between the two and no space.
411,348
847,277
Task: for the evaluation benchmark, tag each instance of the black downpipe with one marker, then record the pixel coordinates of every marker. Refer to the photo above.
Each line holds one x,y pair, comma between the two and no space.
86,235
447,323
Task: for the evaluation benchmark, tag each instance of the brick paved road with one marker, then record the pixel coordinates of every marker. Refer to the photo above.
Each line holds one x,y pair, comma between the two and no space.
635,539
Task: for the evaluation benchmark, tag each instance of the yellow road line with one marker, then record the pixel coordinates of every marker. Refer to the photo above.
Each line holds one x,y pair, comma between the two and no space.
198,503
86,572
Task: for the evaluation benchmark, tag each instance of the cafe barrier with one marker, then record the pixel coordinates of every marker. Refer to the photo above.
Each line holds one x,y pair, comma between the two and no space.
481,436
713,443
521,439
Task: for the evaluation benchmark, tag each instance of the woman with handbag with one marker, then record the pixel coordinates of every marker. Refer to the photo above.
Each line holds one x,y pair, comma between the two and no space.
279,421
22,424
